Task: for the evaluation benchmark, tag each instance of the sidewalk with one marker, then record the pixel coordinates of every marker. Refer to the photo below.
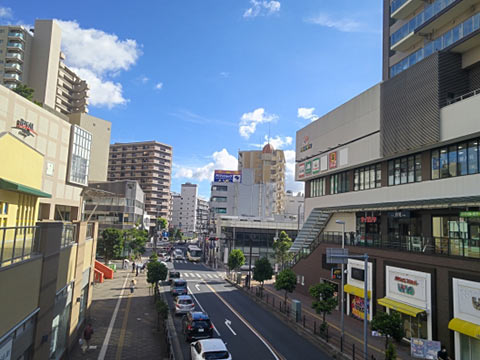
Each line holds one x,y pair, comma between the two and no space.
133,334
353,327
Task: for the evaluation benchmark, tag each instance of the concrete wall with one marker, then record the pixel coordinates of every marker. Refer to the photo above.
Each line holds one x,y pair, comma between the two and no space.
66,266
19,292
460,119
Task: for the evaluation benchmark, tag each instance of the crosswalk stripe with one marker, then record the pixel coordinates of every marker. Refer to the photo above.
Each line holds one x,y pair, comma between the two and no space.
210,276
198,275
185,274
192,274
215,276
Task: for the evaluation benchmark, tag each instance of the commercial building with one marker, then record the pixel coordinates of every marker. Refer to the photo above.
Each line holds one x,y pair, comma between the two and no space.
269,168
150,163
35,59
398,167
114,204
202,216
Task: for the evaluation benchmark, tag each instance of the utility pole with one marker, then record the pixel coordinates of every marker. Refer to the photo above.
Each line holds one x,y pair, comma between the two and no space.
341,222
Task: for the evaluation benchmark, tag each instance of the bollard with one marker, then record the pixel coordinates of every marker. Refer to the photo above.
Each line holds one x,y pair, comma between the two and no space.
303,320
353,350
341,344
314,327
273,301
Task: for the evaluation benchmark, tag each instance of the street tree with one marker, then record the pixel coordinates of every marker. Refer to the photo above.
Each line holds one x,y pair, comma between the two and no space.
111,244
389,325
135,240
324,299
281,247
178,235
162,223
263,271
236,259
156,271
286,280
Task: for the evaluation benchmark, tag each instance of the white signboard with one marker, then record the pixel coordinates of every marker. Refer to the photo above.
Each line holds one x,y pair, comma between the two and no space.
6,350
467,304
323,163
408,286
343,157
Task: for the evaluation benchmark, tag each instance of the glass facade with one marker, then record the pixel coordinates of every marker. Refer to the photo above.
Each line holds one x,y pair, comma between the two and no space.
318,187
80,156
415,327
368,177
339,183
455,160
404,170
469,346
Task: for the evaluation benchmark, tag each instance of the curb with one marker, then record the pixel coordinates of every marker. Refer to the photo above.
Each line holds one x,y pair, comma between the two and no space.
171,329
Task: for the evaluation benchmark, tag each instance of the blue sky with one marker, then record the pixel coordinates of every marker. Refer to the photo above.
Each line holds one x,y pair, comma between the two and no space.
210,77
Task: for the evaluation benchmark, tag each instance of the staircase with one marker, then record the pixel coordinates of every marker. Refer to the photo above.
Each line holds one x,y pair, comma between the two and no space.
310,231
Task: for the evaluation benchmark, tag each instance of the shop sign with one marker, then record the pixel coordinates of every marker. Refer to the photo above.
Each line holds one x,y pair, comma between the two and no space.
368,219
6,350
469,299
399,214
316,166
358,274
358,307
308,167
25,127
332,160
227,176
336,274
306,144
424,349
301,170
469,213
406,285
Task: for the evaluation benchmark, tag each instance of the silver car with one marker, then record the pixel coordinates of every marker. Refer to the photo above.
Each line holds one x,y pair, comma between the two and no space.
184,304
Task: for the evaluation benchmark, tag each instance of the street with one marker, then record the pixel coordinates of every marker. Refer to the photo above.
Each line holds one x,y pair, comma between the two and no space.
249,331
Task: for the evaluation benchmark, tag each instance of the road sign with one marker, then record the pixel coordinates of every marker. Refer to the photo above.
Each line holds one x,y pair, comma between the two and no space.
337,256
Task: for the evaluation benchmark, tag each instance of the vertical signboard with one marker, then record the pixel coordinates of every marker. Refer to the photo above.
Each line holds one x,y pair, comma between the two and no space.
301,170
308,168
316,166
332,160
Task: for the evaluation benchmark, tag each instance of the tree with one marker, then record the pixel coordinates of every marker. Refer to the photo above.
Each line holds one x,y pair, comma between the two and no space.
178,235
236,259
391,352
389,325
24,91
263,270
156,271
136,240
281,247
162,223
324,299
286,280
111,244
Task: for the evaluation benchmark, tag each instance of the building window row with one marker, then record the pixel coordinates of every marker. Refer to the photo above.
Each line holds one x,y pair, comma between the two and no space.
318,187
339,183
404,170
455,160
368,177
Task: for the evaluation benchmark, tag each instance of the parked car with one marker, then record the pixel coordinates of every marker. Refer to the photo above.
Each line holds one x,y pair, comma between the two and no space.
173,275
197,325
209,349
184,304
178,287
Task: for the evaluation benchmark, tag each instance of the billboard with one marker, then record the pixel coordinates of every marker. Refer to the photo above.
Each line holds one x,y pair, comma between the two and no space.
229,176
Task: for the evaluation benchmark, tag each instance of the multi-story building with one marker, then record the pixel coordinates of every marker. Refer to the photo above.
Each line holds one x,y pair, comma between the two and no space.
150,163
294,206
202,216
185,209
114,204
35,59
176,204
269,167
396,170
47,254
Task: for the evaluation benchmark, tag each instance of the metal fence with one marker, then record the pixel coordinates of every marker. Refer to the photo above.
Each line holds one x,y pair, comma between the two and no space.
17,243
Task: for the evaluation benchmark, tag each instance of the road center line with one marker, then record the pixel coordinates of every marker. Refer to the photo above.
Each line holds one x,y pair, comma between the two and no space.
103,350
274,352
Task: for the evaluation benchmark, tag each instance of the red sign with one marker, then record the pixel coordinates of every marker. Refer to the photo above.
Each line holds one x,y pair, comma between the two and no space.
368,219
406,281
332,160
25,127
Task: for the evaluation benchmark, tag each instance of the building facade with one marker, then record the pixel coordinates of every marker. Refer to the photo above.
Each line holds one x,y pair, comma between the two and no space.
269,168
114,204
398,167
36,60
202,217
150,163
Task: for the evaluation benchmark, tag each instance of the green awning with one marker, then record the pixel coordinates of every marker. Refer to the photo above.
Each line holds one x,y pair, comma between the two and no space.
13,186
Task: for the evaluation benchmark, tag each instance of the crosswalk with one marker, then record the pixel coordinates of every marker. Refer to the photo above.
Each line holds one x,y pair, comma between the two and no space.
181,261
204,276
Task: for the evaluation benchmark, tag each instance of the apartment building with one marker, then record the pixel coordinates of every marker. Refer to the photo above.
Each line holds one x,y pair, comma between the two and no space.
189,213
202,216
150,163
396,170
269,167
33,57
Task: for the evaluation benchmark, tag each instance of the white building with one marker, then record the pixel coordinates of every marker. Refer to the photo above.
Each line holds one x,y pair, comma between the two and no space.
184,214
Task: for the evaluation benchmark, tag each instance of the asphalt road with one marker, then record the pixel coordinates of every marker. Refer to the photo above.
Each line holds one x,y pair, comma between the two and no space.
249,331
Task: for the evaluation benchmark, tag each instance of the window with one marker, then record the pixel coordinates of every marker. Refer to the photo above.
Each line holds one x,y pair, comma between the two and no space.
318,187
435,164
407,169
473,157
368,177
418,168
444,163
462,159
80,155
390,173
339,183
455,160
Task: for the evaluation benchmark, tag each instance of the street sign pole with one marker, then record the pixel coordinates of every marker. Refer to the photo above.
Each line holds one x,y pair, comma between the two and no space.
366,308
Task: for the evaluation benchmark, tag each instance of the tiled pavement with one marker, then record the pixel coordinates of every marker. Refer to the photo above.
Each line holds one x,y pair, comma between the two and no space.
136,315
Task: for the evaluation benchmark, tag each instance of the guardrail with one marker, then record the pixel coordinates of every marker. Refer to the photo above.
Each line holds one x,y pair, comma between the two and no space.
17,243
463,97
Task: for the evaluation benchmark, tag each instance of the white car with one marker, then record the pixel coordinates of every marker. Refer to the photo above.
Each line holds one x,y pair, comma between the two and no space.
184,304
209,349
179,255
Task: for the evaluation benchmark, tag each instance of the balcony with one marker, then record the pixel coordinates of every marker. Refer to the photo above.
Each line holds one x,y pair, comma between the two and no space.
14,56
15,45
13,67
16,36
12,77
400,9
18,244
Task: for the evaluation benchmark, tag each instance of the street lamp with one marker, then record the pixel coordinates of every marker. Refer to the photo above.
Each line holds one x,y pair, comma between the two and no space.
341,222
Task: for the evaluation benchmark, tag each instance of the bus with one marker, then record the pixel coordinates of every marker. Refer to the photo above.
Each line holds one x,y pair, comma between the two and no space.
194,253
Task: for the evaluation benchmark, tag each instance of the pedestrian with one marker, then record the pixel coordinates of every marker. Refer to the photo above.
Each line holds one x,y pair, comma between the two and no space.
443,354
133,267
144,266
138,269
87,335
132,286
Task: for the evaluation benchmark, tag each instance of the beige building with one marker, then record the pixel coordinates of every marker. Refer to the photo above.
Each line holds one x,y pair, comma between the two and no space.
269,167
150,163
36,60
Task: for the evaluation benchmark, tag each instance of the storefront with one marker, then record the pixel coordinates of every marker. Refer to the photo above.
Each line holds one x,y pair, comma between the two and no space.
354,289
466,321
368,227
408,292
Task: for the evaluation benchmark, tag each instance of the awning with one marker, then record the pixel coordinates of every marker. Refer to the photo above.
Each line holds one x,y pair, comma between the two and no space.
398,306
355,290
13,186
465,327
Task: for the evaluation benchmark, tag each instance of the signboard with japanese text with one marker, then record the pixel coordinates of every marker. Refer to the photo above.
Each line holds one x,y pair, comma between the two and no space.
332,160
227,176
316,166
424,349
308,168
301,170
408,286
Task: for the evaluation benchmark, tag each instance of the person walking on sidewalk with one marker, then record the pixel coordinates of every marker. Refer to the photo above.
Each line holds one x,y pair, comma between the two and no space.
87,336
133,267
132,286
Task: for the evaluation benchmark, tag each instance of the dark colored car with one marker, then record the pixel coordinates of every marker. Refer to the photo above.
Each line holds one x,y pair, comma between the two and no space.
178,287
197,325
173,275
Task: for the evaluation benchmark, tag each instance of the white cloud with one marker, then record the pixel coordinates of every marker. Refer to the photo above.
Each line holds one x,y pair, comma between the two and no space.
101,56
277,142
221,160
340,24
262,7
6,13
159,86
290,183
249,121
307,113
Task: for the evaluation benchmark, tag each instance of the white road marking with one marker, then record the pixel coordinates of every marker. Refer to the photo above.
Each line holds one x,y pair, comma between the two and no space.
216,276
197,286
201,307
210,276
192,274
185,274
228,324
198,275
103,350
